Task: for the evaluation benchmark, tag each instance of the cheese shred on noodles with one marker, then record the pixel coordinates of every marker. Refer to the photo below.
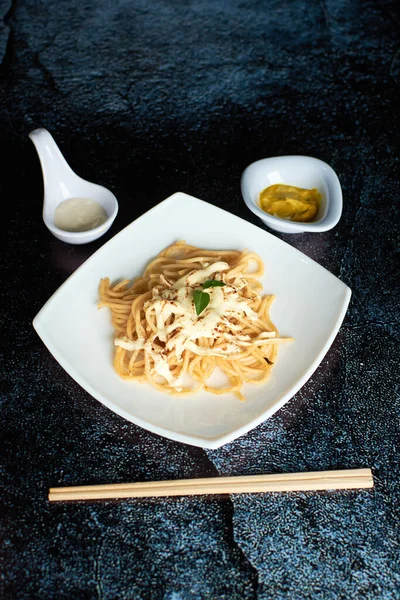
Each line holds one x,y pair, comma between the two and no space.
160,339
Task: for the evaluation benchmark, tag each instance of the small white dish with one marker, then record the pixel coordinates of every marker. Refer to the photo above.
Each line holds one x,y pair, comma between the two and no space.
310,305
300,171
61,183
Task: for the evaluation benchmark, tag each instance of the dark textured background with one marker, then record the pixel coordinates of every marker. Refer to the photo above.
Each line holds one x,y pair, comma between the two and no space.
150,98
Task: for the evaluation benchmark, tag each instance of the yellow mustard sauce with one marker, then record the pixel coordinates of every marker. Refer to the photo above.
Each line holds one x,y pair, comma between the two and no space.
290,202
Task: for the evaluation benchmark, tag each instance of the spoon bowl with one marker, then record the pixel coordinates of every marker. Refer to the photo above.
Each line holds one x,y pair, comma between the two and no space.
300,171
62,183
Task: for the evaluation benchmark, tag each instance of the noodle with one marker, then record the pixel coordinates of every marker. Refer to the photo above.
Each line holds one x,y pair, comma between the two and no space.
163,337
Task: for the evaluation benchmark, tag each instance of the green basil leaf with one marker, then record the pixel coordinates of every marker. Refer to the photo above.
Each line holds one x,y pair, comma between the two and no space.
213,283
201,301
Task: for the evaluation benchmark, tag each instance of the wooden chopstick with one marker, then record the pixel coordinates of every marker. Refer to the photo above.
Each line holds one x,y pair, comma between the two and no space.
285,482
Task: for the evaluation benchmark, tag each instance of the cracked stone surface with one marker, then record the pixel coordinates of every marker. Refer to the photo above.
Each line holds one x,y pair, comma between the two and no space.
150,98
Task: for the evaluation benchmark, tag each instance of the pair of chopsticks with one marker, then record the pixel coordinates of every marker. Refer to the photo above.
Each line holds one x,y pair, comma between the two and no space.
243,484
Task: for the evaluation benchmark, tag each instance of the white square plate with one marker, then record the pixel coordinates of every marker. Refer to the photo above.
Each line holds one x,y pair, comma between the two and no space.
310,306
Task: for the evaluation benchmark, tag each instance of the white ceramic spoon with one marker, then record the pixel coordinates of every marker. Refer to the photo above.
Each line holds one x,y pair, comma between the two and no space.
61,183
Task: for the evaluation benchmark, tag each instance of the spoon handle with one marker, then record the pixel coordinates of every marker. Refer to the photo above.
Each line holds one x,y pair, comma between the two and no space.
55,168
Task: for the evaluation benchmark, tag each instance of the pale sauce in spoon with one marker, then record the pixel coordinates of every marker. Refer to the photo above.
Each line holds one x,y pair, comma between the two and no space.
79,214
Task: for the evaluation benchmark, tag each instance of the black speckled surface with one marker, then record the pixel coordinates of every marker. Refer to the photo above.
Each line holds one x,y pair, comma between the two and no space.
149,98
